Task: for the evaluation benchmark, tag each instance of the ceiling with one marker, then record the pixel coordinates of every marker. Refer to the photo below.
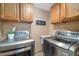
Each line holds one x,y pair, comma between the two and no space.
44,6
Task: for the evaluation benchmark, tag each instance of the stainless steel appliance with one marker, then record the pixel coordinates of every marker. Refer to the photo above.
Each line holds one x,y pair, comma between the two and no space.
22,45
22,35
64,43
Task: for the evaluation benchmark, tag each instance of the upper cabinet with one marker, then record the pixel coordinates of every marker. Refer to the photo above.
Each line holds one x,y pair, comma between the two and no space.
58,12
67,12
72,9
55,13
62,11
27,12
10,11
18,12
71,12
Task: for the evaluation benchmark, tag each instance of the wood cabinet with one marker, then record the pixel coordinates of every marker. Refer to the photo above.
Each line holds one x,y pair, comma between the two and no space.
67,12
55,13
73,9
58,12
62,11
71,12
10,11
16,12
27,12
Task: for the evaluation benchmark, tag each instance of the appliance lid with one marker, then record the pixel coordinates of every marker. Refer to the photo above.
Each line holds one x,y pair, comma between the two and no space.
65,39
67,36
58,43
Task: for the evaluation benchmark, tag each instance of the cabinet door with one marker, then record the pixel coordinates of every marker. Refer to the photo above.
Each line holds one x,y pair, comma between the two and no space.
27,12
55,13
10,11
62,11
72,9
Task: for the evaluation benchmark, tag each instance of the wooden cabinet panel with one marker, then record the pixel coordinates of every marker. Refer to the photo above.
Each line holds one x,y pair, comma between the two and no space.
72,12
62,11
67,12
10,11
55,13
27,12
72,9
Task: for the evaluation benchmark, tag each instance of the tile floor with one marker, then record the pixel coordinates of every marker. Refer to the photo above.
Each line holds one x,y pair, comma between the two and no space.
39,54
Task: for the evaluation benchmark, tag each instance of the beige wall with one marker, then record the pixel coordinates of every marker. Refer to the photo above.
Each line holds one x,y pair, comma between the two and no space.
37,30
51,27
72,26
7,26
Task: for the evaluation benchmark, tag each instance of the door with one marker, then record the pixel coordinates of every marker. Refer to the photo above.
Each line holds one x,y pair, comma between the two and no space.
10,11
27,12
55,13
